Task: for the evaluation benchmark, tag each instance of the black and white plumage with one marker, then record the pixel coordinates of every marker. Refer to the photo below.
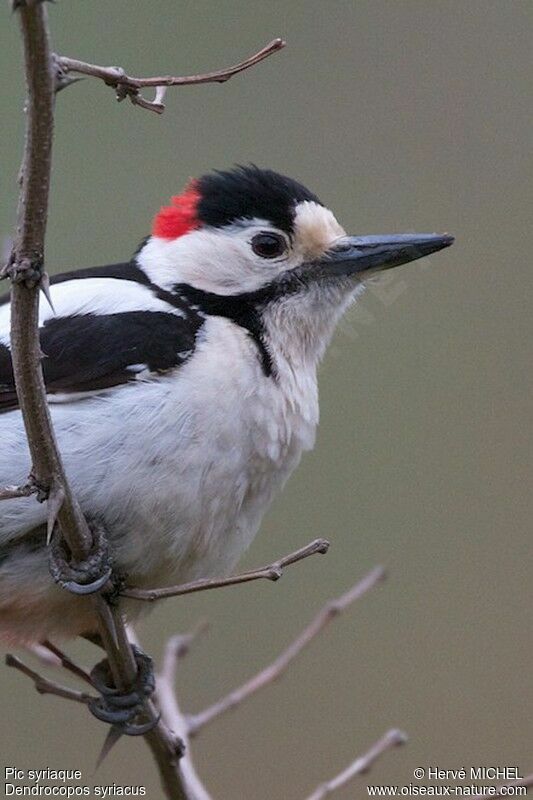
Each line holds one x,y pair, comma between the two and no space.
183,385
108,326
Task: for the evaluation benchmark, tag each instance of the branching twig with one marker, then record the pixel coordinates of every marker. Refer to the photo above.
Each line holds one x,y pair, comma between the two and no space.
167,702
271,572
178,646
278,667
66,662
45,686
128,86
392,738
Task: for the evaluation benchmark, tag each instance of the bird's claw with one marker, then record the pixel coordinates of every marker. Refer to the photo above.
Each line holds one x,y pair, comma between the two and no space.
83,578
87,588
121,708
142,728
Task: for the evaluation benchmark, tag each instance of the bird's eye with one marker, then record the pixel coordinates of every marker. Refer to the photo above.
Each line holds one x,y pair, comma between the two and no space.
268,245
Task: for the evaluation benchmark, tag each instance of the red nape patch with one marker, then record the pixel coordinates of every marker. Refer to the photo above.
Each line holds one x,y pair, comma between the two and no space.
180,217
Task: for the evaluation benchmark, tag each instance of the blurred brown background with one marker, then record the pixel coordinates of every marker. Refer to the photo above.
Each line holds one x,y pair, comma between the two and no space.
402,115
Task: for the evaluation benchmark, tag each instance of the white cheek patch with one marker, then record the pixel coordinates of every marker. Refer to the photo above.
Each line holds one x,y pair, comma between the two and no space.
207,259
315,230
221,260
218,260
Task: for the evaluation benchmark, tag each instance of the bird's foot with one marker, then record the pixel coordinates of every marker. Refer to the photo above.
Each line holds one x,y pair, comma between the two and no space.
85,577
121,709
117,583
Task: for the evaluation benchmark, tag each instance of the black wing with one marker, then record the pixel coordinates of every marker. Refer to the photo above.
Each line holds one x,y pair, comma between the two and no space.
86,353
90,353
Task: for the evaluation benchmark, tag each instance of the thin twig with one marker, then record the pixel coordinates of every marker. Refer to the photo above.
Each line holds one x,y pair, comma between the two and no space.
392,738
271,572
501,791
45,686
278,667
179,645
66,662
129,86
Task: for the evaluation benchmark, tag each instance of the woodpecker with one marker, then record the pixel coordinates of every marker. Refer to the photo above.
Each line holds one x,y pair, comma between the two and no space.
182,385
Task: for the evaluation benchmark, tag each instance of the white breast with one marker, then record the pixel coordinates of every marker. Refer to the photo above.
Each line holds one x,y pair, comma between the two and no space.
233,437
183,468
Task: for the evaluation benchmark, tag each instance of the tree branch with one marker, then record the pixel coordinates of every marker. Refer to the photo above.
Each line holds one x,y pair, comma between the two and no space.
45,686
274,671
25,268
392,738
65,661
129,86
167,701
271,572
166,748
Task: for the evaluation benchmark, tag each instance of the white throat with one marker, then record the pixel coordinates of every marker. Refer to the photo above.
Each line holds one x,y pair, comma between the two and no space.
299,327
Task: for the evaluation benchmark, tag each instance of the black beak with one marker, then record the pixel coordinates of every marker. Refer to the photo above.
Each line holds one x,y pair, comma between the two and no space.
352,255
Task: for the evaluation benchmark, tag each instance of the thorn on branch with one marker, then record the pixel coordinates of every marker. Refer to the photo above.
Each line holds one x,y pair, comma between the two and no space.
56,497
62,78
5,254
114,734
45,289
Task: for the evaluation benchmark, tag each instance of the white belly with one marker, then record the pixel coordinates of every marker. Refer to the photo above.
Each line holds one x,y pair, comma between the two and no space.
182,469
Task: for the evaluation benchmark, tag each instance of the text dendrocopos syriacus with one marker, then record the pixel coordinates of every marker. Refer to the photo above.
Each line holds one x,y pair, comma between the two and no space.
182,385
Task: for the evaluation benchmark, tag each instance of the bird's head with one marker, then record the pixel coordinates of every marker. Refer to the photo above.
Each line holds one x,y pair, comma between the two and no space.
254,239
